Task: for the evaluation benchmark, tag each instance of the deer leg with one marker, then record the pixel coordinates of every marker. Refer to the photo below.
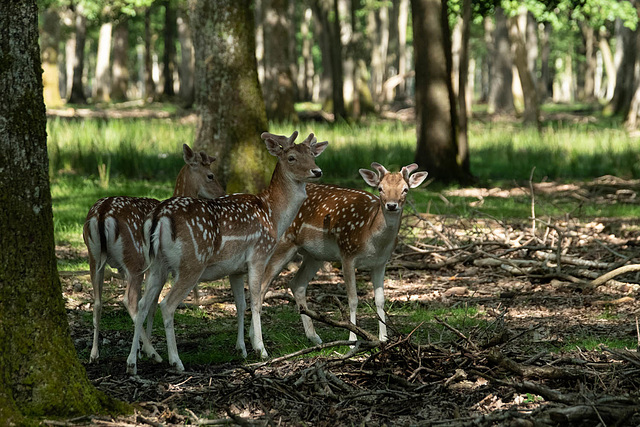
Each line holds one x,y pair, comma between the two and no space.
184,283
349,273
377,279
97,279
155,282
237,287
131,298
256,271
298,287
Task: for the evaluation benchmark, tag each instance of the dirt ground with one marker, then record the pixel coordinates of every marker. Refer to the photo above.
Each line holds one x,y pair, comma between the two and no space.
518,365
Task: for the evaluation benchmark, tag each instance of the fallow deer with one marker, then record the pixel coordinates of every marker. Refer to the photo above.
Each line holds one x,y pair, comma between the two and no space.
198,240
113,234
347,225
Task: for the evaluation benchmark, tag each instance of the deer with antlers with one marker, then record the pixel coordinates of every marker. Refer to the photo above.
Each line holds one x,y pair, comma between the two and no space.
113,235
347,225
198,240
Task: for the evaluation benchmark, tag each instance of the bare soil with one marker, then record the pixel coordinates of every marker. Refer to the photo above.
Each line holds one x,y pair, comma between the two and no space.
517,365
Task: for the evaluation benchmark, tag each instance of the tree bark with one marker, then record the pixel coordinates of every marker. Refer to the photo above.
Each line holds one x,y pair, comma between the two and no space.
627,44
307,69
149,83
228,96
39,370
77,95
322,34
464,98
169,55
50,37
120,70
403,19
588,88
437,145
278,89
379,34
187,62
103,78
607,60
545,84
500,93
531,108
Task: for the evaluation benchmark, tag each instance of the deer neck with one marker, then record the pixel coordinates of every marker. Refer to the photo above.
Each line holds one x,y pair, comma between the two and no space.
181,185
283,196
385,225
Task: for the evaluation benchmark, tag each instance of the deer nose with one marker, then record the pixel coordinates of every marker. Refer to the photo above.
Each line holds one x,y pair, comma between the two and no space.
392,206
317,172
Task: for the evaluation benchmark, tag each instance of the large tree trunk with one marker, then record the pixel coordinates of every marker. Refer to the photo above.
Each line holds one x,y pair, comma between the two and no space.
588,88
39,370
278,89
437,145
169,55
120,70
51,76
187,62
500,81
379,34
322,34
228,95
103,78
77,95
149,83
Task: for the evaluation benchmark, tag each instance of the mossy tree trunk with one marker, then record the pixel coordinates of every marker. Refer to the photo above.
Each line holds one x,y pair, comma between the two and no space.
437,146
228,96
39,371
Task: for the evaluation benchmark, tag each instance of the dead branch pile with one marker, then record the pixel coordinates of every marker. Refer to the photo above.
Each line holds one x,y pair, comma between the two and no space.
565,253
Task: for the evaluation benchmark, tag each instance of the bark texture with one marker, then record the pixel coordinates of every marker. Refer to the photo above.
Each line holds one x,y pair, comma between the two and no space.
501,76
437,146
120,70
77,95
228,96
39,371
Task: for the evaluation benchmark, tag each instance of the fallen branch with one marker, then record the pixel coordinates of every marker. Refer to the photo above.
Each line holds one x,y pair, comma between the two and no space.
341,324
610,275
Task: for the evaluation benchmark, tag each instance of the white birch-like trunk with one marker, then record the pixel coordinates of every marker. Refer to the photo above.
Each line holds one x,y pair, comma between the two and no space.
103,78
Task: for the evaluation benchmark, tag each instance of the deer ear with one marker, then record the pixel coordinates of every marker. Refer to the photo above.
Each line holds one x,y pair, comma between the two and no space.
416,179
318,147
370,177
189,156
382,171
273,145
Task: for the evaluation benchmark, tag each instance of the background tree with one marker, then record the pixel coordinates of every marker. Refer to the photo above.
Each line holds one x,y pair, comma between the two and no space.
39,370
437,145
228,97
50,38
279,86
169,55
77,95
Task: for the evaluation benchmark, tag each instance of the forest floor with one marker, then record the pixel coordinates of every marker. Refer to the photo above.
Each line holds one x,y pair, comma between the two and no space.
538,342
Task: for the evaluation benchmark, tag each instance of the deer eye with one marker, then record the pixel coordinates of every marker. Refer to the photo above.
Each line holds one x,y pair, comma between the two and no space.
405,190
210,177
292,158
380,190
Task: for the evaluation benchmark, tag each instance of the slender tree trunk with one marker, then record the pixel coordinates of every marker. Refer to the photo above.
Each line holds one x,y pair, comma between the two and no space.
51,76
77,95
488,63
337,75
545,84
69,54
531,108
609,66
278,88
379,33
500,93
307,70
169,55
464,102
231,109
322,32
627,44
403,19
437,145
149,83
588,34
40,374
120,70
187,63
103,77
348,66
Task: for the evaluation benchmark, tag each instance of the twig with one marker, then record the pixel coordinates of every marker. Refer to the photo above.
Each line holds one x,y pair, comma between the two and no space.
533,203
610,275
457,332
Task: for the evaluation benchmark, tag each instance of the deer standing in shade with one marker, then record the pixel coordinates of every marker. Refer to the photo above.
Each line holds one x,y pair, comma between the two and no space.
198,240
347,225
113,235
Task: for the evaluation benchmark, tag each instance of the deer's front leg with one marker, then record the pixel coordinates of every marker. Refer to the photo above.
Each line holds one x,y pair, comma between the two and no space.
298,286
377,279
256,270
237,287
349,273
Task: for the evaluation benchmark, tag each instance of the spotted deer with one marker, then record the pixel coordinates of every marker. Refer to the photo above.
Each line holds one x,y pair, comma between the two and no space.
347,225
199,240
113,234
